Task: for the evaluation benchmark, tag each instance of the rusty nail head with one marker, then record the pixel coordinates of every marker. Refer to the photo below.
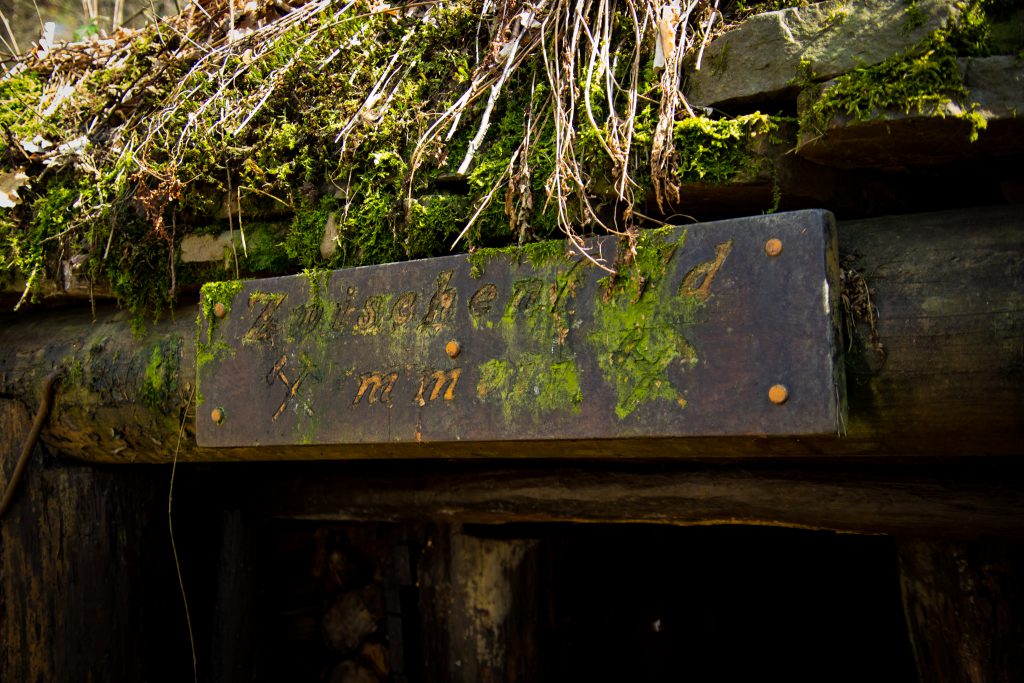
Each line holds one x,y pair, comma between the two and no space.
778,394
773,247
453,349
220,310
217,415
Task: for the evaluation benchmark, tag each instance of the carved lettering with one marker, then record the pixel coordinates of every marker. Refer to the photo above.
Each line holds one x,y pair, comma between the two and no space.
344,309
379,386
277,372
303,320
442,303
526,293
697,282
480,302
404,309
263,309
439,377
370,318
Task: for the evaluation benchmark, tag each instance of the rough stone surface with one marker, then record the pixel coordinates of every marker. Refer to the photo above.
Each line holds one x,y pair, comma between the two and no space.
206,248
329,243
761,58
996,84
894,139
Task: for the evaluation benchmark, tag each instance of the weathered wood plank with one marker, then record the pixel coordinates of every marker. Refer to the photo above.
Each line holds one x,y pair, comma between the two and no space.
688,339
949,501
479,608
943,377
75,603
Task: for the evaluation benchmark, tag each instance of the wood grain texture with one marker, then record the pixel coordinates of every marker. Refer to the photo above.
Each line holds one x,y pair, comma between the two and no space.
964,604
86,592
985,500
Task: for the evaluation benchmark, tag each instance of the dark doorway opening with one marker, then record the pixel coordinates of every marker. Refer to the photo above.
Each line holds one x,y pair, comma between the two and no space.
643,603
610,602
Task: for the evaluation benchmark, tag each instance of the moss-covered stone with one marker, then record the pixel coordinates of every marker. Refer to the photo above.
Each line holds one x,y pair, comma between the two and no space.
926,79
159,388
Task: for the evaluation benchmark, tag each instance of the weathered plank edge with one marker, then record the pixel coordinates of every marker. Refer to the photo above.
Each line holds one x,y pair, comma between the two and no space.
945,500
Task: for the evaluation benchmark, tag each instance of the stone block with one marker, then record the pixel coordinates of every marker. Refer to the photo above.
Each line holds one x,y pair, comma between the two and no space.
762,58
208,248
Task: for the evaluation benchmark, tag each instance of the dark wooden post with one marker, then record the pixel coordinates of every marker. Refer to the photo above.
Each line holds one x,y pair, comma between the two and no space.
234,653
87,589
964,605
480,608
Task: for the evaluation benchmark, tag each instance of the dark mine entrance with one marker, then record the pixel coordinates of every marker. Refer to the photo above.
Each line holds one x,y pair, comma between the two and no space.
380,602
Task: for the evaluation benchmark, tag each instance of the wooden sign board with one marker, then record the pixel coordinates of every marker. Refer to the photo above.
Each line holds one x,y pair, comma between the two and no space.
717,329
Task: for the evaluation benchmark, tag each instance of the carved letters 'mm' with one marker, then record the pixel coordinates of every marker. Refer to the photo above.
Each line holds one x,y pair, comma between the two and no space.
379,386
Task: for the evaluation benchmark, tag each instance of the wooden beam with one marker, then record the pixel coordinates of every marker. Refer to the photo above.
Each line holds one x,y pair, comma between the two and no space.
933,364
985,500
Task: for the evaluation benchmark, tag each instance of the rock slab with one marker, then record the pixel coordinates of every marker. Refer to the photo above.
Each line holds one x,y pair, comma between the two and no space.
764,56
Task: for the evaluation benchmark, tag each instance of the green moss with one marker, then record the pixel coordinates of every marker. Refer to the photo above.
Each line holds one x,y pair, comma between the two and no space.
19,100
546,254
160,384
740,9
639,326
913,16
539,255
533,386
537,374
207,349
435,223
213,293
287,133
716,151
481,257
74,374
302,242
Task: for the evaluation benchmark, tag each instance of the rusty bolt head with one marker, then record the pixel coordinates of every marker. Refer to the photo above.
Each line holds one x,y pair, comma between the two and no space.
220,310
453,349
217,415
778,394
773,247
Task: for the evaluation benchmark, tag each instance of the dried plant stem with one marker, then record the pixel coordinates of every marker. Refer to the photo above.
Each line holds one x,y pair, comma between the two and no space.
485,120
